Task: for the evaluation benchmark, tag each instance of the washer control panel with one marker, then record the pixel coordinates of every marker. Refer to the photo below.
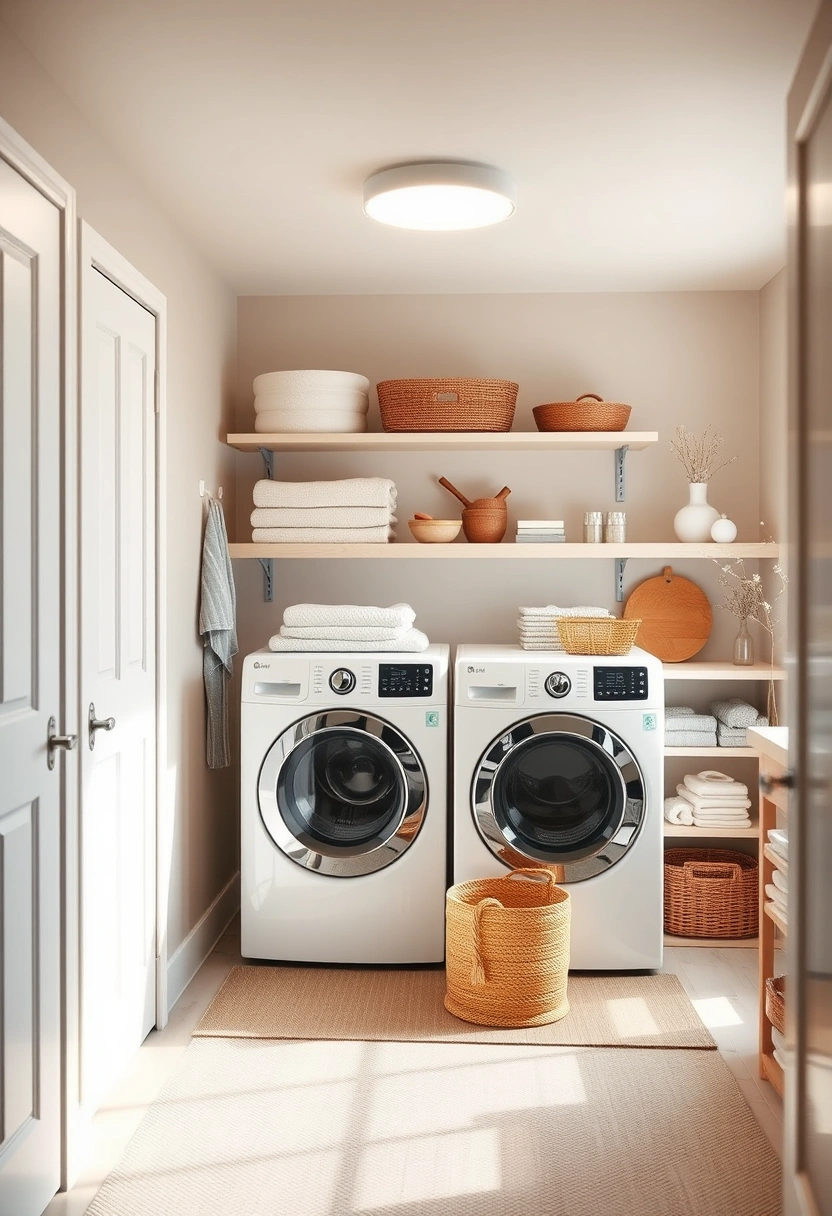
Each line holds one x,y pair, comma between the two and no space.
620,683
405,680
342,681
557,684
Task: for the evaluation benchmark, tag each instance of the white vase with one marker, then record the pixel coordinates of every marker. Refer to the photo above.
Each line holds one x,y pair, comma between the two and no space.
694,522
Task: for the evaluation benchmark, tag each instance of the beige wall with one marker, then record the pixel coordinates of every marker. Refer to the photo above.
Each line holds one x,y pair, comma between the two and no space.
774,424
201,372
689,358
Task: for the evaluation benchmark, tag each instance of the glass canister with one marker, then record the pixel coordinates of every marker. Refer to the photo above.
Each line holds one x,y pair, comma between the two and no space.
615,527
593,526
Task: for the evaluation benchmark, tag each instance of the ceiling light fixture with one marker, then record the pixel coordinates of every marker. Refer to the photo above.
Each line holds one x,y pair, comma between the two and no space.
439,196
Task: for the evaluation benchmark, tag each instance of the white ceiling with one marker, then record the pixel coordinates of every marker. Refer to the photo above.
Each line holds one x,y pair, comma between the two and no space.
646,137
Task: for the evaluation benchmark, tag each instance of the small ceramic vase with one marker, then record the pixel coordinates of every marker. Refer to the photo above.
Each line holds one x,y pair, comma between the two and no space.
744,647
694,522
724,531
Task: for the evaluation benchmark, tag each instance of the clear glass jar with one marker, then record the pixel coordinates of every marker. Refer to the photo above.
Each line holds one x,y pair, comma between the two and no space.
593,527
744,647
615,527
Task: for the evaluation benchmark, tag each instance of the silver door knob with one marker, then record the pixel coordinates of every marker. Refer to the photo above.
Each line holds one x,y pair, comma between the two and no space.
54,742
98,724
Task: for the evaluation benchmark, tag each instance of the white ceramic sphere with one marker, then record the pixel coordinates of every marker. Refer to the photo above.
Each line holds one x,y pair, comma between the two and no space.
724,531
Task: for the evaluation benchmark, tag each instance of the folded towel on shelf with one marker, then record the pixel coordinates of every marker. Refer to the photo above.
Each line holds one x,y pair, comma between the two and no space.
676,810
397,616
688,721
678,711
412,640
731,739
780,881
778,1039
323,536
779,841
551,611
728,812
351,492
690,738
346,633
719,802
780,1057
321,517
729,821
777,897
736,712
710,783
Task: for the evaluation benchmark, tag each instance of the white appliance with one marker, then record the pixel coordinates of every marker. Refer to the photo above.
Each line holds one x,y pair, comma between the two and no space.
344,806
559,762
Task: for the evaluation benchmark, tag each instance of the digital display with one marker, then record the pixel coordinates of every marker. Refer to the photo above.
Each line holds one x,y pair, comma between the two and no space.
620,683
405,680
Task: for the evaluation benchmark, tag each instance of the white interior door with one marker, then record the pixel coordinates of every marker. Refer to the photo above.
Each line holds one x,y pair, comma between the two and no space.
30,675
118,663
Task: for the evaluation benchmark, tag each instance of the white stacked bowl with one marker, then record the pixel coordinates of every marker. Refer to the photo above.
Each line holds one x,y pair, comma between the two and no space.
311,401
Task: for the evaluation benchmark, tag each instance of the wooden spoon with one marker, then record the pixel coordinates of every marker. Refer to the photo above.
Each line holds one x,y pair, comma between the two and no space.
443,481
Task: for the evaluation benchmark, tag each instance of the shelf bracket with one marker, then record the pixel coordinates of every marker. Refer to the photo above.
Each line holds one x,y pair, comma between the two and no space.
268,461
620,563
620,454
268,578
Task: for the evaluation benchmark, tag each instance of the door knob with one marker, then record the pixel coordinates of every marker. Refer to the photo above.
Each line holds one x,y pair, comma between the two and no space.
98,724
53,742
784,781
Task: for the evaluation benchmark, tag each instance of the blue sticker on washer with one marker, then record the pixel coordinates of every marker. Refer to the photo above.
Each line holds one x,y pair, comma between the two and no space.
432,717
648,722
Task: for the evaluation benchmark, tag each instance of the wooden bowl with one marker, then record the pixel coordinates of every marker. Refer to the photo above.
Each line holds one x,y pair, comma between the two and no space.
483,525
435,531
588,413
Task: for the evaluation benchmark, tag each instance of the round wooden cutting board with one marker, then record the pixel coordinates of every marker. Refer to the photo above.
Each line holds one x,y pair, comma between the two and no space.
676,617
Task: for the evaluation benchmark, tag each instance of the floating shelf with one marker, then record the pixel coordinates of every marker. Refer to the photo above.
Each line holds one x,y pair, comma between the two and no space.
772,913
682,829
447,441
711,942
723,752
507,551
721,671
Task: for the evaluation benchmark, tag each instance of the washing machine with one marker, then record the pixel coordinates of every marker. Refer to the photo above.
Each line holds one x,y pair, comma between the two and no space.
344,806
558,762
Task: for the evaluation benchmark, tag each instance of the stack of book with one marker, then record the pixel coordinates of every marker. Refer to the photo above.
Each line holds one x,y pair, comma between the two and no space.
540,532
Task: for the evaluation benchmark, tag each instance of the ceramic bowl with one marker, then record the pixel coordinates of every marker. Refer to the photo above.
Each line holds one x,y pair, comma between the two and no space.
278,422
285,381
310,399
435,531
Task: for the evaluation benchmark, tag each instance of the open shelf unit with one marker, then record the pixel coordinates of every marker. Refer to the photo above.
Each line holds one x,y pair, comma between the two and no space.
721,671
447,441
507,551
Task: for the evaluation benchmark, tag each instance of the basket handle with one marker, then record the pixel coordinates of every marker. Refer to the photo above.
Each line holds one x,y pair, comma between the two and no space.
712,869
478,962
584,396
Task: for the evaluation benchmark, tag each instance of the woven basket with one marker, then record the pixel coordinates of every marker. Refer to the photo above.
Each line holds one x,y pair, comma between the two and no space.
710,893
586,413
447,405
508,950
776,1002
597,635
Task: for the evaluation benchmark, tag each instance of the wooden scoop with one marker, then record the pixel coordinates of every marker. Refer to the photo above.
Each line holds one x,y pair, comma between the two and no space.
443,481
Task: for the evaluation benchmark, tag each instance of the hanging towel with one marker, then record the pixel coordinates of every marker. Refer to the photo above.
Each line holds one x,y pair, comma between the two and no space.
217,625
689,722
323,536
413,640
676,810
321,517
780,881
397,616
710,783
344,633
735,713
351,492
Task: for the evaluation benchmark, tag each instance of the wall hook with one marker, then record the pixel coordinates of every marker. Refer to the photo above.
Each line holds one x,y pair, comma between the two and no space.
203,490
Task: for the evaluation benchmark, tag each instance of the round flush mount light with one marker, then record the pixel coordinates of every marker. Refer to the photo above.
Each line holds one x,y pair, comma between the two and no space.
439,196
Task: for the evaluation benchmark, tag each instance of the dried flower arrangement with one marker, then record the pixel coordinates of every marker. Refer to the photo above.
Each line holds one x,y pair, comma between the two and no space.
745,599
698,454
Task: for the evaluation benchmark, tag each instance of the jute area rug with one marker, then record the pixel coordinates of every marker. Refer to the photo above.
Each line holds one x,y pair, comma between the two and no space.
253,1127
406,1006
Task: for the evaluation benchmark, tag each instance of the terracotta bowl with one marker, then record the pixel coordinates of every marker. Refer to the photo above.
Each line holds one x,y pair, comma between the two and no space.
484,526
435,531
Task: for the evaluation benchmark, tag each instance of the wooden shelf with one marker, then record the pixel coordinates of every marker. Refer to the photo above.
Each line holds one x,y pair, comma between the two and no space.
773,1072
776,860
772,913
507,551
721,671
724,752
447,441
682,829
711,942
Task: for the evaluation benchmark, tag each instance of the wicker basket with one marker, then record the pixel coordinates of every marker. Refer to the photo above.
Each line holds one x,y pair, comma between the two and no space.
597,635
710,893
776,1002
586,413
508,950
447,405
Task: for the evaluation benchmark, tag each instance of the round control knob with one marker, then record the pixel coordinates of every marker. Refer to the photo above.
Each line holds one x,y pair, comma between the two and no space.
558,684
342,681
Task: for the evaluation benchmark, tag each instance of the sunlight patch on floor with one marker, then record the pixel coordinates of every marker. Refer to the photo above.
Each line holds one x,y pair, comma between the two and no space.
426,1168
631,1017
717,1011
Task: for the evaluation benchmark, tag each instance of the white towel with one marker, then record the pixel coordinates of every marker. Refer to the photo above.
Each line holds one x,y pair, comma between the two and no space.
552,612
217,624
780,1057
323,536
346,633
542,644
777,897
780,881
728,822
351,492
779,841
397,616
709,783
678,711
728,741
676,810
778,1039
735,713
690,738
717,803
728,813
688,722
413,640
321,517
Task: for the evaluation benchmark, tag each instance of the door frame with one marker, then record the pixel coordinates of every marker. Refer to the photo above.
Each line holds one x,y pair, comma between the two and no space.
30,165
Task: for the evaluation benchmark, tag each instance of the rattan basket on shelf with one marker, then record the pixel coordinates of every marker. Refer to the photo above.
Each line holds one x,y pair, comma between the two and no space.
597,635
776,1002
586,413
455,404
710,893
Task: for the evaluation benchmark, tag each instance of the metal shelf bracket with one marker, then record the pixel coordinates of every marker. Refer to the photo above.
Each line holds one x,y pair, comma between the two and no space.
620,563
620,454
268,578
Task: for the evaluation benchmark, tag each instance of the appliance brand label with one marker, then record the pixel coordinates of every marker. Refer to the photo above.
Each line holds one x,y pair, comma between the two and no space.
432,717
257,666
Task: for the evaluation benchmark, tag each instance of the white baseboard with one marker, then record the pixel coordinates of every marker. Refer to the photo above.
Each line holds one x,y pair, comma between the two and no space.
189,957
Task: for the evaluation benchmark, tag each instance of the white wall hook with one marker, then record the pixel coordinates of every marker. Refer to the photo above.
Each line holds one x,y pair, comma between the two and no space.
203,490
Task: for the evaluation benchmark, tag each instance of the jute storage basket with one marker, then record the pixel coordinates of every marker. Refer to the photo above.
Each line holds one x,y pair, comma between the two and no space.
776,1002
710,893
597,635
508,950
586,413
455,404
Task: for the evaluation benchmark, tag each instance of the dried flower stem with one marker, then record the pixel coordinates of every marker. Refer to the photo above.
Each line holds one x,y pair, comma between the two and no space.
745,599
698,455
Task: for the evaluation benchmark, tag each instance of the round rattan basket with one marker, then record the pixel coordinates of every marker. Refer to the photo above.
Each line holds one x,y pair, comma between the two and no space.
597,635
455,404
710,893
508,950
776,1002
588,412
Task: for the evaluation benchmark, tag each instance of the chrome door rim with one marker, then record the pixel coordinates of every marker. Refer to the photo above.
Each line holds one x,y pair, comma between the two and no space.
342,863
489,819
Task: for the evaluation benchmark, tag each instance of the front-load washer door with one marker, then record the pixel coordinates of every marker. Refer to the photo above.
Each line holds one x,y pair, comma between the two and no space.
342,793
559,790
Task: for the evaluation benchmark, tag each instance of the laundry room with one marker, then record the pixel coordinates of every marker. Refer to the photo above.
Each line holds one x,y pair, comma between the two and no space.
414,629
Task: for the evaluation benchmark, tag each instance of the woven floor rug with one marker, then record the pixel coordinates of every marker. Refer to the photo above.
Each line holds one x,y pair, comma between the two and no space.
256,1127
406,1006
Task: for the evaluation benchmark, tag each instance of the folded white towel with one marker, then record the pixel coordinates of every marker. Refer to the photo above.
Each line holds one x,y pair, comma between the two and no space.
397,616
781,911
351,492
321,517
412,640
552,612
709,782
689,722
780,881
779,841
731,740
728,812
323,536
676,810
678,711
542,644
777,897
347,633
728,822
690,738
718,802
735,712
778,1039
780,1057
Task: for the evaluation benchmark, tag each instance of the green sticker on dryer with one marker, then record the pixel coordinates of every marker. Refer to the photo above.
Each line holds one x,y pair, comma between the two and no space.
432,717
649,722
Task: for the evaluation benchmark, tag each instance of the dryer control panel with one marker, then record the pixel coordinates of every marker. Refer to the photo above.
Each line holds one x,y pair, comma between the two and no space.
620,683
405,680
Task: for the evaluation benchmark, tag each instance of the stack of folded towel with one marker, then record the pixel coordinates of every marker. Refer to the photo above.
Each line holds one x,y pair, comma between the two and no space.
714,800
733,719
539,629
777,891
357,511
779,1042
683,727
348,627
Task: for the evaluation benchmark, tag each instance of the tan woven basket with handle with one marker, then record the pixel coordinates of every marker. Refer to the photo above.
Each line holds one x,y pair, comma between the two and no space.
776,1002
455,404
508,950
597,635
710,893
588,412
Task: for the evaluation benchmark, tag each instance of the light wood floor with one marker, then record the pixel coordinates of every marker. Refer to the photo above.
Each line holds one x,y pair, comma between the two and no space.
722,983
